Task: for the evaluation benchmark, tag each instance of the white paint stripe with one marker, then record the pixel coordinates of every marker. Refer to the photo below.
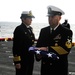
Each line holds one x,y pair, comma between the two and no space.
8,51
5,47
73,63
11,57
72,73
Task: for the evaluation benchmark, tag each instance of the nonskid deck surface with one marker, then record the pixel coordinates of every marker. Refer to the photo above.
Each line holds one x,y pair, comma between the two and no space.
7,66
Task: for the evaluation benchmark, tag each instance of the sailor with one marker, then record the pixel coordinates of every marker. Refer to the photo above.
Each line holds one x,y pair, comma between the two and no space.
23,38
59,42
66,24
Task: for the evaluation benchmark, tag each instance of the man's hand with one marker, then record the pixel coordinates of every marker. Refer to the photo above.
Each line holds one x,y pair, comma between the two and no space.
18,66
42,48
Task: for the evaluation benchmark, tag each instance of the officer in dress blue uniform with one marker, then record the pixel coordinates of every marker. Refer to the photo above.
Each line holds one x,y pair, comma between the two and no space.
23,38
57,39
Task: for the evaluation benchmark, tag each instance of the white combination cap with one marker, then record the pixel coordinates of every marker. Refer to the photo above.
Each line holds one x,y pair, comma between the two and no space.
52,11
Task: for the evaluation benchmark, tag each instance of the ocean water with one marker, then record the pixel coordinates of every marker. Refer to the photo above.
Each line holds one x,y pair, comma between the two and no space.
7,29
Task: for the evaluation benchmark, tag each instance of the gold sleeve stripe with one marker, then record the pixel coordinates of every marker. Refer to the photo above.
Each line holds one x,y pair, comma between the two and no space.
59,50
17,58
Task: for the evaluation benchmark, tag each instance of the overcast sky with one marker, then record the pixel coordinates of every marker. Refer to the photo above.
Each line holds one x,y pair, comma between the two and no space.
10,10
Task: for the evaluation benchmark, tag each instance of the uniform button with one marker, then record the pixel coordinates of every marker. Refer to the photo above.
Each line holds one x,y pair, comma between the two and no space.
50,63
31,36
43,62
32,40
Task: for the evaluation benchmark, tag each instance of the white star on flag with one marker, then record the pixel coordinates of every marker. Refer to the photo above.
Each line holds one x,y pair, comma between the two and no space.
37,52
49,55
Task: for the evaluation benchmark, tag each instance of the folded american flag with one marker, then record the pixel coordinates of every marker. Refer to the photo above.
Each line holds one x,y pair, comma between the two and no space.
43,53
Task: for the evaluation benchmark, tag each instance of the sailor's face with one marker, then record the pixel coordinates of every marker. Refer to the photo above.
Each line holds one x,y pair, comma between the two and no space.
54,20
27,21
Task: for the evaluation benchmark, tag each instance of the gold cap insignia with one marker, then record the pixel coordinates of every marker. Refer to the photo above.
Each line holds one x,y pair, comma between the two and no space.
30,13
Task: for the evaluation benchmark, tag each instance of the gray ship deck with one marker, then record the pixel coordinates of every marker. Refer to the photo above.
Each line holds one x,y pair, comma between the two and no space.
6,62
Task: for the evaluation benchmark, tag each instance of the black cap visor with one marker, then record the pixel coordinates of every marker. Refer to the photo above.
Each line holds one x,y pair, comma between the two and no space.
26,16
